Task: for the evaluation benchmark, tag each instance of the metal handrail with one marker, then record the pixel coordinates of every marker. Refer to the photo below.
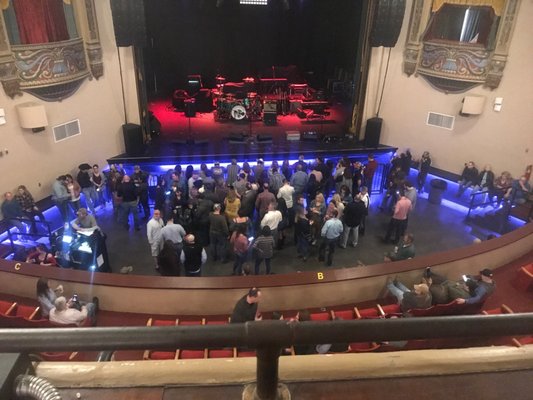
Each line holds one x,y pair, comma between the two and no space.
263,333
268,337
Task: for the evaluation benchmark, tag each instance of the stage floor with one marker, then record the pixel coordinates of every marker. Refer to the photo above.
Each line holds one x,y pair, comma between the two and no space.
209,140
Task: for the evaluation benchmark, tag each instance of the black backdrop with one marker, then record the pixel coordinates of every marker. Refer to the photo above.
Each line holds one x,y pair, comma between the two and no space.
197,37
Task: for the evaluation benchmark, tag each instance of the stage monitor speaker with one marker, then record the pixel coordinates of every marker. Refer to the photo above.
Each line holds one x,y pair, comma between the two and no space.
129,22
387,23
190,108
373,132
133,139
310,136
264,138
237,138
270,118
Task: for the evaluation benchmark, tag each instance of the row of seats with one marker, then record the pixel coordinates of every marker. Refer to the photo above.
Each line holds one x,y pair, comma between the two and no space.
524,278
14,315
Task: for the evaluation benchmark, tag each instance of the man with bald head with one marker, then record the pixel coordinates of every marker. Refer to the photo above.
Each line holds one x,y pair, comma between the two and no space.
193,256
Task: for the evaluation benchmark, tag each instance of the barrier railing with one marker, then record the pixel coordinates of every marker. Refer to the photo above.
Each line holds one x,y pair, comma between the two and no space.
268,337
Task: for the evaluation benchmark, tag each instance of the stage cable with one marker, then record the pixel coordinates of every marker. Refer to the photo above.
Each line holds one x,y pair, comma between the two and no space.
384,80
122,86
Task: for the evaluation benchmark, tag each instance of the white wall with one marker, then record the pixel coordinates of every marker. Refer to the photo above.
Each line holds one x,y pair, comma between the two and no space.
34,159
503,139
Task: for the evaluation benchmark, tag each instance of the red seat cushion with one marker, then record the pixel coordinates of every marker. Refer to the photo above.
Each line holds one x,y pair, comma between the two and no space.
220,353
345,314
24,311
246,354
162,355
323,316
163,322
191,354
369,313
391,309
221,322
360,347
188,323
5,305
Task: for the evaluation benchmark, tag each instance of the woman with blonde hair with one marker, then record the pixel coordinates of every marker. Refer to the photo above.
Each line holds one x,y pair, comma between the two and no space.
232,204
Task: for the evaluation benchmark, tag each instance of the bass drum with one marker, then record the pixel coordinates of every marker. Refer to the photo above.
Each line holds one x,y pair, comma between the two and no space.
238,112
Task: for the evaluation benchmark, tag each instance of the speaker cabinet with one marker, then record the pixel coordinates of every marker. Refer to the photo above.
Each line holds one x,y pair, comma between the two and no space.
373,132
270,118
133,139
190,108
129,23
387,24
264,138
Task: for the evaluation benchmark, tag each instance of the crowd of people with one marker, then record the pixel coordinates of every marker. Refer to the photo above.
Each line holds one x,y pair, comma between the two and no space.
246,213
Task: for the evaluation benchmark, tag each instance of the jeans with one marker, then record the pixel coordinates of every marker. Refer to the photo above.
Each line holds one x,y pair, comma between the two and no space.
302,246
396,227
90,197
62,206
258,262
330,244
240,259
219,246
463,185
346,235
125,209
31,218
397,290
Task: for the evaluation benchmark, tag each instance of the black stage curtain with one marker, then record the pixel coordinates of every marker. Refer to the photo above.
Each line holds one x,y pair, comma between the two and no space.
197,37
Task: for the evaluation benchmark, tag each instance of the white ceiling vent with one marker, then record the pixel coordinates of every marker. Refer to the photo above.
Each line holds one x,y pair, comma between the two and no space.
67,130
440,120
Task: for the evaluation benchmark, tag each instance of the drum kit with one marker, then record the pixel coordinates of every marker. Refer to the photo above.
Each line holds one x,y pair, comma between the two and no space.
229,107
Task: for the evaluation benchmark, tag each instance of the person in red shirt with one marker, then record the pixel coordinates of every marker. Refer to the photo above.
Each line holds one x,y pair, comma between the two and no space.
41,256
240,244
398,222
369,171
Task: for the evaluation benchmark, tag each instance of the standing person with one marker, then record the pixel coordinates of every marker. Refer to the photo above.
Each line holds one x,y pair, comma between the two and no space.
233,172
74,190
286,192
99,181
365,198
299,180
410,193
423,170
193,256
232,204
60,196
369,171
398,222
174,233
87,187
353,216
246,308
331,232
264,247
263,200
46,296
302,231
272,219
168,260
240,244
12,212
128,200
153,232
29,208
218,234
140,179
275,179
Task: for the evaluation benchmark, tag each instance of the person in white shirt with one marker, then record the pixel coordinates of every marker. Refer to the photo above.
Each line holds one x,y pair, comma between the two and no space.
272,219
64,314
286,192
153,232
365,198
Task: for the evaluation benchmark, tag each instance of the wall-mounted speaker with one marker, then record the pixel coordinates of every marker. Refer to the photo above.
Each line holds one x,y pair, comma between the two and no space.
129,23
373,132
387,23
133,139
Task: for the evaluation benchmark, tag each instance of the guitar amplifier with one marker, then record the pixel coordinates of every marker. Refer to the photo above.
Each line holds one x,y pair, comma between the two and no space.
310,136
295,105
293,136
270,106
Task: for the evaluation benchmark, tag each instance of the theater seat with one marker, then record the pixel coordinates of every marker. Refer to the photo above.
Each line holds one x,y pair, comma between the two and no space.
367,313
246,353
28,312
524,278
322,316
191,354
363,347
192,323
60,356
7,307
221,353
503,309
343,314
389,309
160,354
523,341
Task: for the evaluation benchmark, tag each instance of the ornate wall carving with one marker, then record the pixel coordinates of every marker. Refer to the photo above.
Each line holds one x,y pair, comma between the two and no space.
465,64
